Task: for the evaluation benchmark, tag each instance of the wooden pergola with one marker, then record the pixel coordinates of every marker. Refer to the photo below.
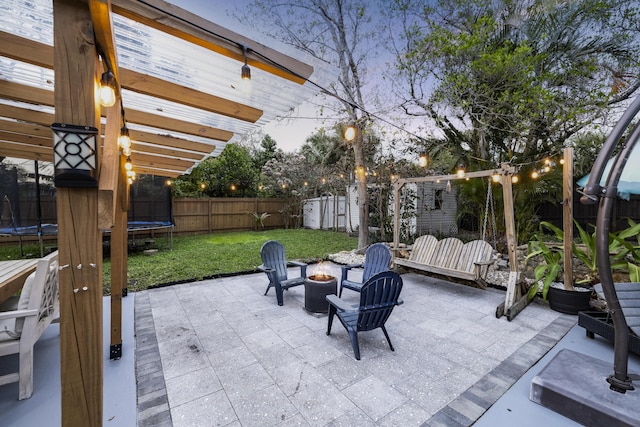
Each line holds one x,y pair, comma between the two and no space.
174,124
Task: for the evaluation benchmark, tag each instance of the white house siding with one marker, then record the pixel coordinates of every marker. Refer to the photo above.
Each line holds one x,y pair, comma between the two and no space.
436,209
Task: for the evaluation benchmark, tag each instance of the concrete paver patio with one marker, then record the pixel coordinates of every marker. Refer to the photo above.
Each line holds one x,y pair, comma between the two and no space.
218,352
229,355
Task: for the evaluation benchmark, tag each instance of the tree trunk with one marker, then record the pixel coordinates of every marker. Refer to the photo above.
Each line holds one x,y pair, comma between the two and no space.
363,197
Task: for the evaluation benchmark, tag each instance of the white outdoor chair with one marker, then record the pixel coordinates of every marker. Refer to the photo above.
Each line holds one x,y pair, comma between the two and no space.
21,327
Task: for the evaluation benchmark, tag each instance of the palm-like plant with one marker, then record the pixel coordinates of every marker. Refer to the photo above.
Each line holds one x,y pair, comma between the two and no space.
620,248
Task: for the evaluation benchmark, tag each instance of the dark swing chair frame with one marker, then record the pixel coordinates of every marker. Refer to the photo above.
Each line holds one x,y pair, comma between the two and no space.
594,193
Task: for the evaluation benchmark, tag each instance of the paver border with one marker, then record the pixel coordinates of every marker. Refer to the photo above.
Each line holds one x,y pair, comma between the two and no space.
467,408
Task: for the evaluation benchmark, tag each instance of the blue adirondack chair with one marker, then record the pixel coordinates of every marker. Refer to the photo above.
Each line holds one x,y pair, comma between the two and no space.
378,296
376,260
274,264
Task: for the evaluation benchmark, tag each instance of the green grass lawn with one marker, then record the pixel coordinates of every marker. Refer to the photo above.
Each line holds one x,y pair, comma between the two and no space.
197,257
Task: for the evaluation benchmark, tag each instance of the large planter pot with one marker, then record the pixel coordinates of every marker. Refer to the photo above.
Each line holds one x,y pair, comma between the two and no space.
569,302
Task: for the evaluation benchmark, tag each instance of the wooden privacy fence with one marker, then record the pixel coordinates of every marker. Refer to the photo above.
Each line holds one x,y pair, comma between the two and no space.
586,215
206,215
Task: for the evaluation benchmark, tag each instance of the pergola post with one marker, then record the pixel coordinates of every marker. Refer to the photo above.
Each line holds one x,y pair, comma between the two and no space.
567,216
79,238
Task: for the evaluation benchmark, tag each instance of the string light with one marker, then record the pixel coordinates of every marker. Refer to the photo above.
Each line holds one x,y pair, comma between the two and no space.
422,160
515,179
495,177
127,165
124,141
233,187
246,71
168,183
107,89
350,132
535,175
203,185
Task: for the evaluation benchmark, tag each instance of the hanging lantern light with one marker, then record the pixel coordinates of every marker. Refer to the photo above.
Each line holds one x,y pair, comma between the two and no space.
460,172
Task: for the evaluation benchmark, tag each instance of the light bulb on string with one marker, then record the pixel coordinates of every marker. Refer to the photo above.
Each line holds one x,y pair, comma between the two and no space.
107,91
423,160
350,131
124,140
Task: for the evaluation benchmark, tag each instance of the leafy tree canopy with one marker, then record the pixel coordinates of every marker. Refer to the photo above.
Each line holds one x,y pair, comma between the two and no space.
506,80
231,174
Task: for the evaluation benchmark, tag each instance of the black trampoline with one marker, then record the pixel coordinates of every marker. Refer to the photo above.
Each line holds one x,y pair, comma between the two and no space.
28,207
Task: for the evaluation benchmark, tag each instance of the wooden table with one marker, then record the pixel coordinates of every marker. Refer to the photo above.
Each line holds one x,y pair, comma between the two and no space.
13,274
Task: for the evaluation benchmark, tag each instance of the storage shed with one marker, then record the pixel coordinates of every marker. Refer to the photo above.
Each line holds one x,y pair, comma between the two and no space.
325,212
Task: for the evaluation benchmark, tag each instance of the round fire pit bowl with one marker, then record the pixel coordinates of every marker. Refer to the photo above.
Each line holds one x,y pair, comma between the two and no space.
316,288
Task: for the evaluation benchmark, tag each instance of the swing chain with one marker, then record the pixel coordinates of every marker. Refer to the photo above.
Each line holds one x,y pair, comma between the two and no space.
489,205
486,212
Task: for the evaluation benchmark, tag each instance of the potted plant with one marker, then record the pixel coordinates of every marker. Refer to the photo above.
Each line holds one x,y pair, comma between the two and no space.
563,297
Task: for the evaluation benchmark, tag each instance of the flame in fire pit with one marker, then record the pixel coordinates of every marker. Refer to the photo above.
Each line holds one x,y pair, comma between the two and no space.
322,273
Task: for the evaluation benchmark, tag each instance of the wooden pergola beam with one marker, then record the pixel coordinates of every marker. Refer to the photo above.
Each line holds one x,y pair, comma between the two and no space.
26,139
133,116
171,124
149,160
39,122
159,171
19,151
40,54
30,129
